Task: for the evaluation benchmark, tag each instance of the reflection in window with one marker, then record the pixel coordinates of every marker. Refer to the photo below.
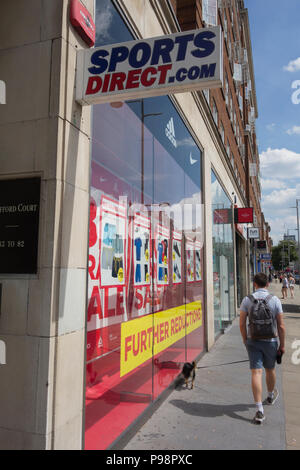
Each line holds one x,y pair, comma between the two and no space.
145,290
223,273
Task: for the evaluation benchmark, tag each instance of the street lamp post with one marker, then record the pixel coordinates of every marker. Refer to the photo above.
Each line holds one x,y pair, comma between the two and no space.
297,201
297,211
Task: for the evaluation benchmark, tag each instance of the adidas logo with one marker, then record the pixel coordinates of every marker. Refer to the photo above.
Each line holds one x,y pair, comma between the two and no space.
170,132
100,343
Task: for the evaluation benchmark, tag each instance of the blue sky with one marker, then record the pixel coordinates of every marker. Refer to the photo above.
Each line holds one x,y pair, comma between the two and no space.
275,35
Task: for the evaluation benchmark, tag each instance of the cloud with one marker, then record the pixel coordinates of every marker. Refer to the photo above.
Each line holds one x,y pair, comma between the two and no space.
280,212
272,184
271,127
293,65
104,18
280,199
280,164
293,130
280,226
280,170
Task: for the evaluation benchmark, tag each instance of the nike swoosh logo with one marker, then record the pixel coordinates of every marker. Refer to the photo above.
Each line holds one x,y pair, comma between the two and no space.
192,161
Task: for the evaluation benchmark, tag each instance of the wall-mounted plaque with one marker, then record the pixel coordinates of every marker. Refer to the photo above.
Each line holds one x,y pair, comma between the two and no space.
19,225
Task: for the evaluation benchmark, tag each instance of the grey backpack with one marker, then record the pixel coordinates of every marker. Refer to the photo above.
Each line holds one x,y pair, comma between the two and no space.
262,324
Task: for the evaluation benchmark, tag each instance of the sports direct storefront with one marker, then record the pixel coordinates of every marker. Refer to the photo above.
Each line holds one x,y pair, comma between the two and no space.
145,293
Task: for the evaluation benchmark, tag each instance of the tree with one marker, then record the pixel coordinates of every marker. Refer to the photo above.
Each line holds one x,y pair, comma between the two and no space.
283,253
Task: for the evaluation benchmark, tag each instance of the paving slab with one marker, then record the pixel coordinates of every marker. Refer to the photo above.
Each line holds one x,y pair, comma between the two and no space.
218,412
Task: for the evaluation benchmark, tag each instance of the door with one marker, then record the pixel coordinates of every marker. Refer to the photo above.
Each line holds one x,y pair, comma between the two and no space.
224,280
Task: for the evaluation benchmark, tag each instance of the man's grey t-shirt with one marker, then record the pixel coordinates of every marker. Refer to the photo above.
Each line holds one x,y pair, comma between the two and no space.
274,304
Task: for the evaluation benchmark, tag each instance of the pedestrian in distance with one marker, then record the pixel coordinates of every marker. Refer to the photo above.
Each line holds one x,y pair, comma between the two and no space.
285,286
291,282
265,327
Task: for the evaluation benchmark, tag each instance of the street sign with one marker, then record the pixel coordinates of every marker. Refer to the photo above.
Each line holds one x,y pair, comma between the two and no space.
175,63
253,232
261,244
290,237
265,256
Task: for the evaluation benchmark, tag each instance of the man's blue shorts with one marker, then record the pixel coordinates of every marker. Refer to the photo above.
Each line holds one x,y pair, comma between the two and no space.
262,354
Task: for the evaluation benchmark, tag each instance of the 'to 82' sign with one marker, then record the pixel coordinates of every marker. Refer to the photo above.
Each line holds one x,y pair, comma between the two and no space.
175,63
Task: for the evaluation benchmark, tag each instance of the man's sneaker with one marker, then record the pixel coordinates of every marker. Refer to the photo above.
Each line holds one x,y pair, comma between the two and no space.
259,417
271,401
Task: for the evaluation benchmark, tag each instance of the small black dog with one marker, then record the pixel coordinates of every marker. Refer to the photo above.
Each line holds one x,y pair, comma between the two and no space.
189,372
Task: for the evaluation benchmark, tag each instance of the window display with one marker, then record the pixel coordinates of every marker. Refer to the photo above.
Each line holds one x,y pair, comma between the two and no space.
162,254
142,250
113,221
145,293
177,257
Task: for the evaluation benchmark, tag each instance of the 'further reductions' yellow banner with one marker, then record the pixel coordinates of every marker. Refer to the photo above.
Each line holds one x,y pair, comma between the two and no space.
164,328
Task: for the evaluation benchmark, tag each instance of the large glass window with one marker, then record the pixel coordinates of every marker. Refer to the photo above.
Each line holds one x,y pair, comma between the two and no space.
223,260
145,310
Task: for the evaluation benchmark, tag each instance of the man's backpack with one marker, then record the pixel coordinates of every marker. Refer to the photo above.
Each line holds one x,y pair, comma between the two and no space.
262,324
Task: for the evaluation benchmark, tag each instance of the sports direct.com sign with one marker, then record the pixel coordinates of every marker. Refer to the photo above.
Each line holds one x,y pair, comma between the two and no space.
150,67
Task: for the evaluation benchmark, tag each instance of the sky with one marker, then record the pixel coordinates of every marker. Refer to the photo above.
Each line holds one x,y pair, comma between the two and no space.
275,36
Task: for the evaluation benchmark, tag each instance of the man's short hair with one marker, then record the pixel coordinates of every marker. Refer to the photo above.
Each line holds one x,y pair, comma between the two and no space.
260,279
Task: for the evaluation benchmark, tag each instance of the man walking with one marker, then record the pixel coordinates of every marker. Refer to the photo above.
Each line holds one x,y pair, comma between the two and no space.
265,326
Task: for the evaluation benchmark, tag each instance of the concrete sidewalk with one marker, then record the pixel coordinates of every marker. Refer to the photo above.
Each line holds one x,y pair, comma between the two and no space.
291,366
218,412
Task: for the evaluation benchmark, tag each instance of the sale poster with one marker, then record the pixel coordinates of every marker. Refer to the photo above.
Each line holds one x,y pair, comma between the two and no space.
190,259
142,250
162,240
113,222
177,257
198,273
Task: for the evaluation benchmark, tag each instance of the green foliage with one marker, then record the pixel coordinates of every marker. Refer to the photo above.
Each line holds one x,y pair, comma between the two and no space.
284,252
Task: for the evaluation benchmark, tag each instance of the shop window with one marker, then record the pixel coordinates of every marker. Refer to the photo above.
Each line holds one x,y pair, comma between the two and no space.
222,133
145,292
206,94
223,260
210,12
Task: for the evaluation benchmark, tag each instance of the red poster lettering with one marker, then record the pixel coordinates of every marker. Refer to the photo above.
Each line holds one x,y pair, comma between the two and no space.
139,299
92,265
94,307
93,228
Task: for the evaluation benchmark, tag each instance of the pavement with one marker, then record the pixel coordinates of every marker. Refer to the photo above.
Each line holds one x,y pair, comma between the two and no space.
217,414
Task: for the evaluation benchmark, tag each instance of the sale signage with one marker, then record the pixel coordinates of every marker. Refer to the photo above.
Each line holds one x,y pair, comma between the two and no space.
147,336
179,62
